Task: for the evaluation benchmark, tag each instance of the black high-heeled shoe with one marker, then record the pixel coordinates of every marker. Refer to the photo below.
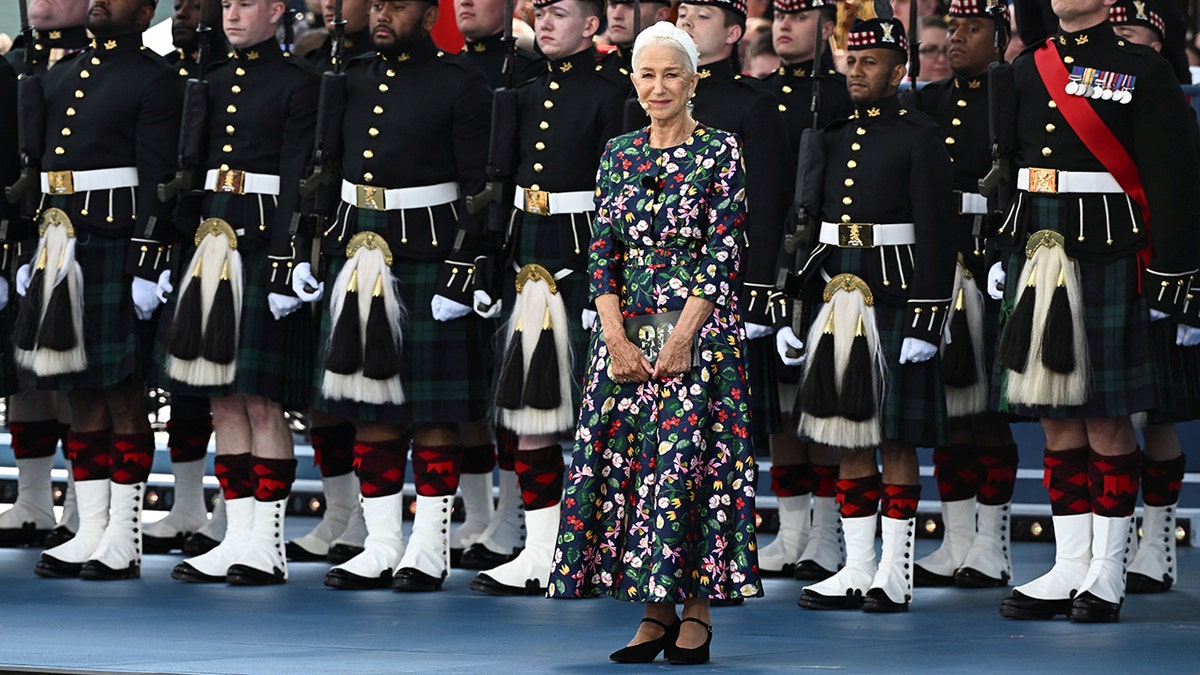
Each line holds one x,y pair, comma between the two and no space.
681,656
646,652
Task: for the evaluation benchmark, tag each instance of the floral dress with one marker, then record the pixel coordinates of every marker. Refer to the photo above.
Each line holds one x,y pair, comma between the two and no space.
659,504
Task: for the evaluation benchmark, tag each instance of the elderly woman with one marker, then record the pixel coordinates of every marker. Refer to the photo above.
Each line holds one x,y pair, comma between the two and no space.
659,505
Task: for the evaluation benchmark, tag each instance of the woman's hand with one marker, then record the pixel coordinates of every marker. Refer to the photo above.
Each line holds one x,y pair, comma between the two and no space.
675,358
626,361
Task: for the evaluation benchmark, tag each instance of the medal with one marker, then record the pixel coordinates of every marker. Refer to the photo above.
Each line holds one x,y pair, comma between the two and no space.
1096,93
1106,94
1072,88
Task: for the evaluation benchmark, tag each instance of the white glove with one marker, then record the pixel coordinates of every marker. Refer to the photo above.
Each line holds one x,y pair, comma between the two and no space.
445,309
1156,315
145,298
590,317
302,280
485,307
1187,336
281,305
3,293
24,276
786,338
915,350
995,282
164,285
755,331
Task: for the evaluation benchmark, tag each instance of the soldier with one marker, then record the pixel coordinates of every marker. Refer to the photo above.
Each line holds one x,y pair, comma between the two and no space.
621,32
184,19
392,244
809,543
1095,115
979,465
871,378
566,115
482,24
111,127
356,14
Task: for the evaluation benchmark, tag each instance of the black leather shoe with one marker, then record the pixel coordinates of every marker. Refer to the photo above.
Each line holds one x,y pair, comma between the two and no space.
876,601
646,652
244,575
485,584
94,570
967,577
807,570
413,580
456,557
340,553
163,544
693,656
1140,583
1087,608
297,553
185,572
25,535
853,599
480,557
926,579
788,570
53,568
348,581
1021,606
199,544
59,535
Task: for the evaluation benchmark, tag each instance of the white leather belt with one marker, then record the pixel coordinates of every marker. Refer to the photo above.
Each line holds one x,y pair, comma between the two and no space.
232,181
971,203
543,203
70,182
1053,181
381,199
867,235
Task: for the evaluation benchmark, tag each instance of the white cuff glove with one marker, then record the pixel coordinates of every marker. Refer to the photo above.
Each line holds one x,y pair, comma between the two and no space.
590,317
755,331
164,285
1187,336
445,309
916,350
24,276
995,281
3,293
302,280
281,305
485,307
786,339
145,298
1156,315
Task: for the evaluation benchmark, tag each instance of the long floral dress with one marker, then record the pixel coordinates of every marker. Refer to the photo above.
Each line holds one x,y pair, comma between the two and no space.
659,504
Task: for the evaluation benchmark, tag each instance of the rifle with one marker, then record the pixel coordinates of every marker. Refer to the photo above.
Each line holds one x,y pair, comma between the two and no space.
193,127
998,184
633,115
331,108
31,123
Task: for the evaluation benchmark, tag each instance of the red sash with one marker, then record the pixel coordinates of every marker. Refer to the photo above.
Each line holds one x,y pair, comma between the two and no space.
1096,135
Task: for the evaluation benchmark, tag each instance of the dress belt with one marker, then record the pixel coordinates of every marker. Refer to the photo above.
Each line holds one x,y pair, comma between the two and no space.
543,203
971,203
1053,181
70,182
867,235
397,199
232,181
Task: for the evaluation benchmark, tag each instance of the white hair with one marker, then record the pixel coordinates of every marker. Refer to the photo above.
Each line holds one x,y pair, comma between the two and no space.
668,35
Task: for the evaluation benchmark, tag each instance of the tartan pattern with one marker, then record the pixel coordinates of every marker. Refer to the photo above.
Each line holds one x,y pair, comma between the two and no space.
998,464
1161,481
444,367
1066,477
824,479
132,455
380,466
540,475
9,384
89,453
956,471
1113,482
1120,15
436,469
1176,375
333,449
1117,322
233,473
274,478
34,439
858,497
188,438
506,449
899,502
791,481
478,458
762,373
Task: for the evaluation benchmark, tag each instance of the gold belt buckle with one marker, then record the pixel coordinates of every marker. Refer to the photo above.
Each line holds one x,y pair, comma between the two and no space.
1043,180
537,202
370,197
231,181
61,182
856,235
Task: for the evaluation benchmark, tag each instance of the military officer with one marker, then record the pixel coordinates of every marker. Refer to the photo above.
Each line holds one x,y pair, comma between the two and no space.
184,19
883,270
358,38
1095,115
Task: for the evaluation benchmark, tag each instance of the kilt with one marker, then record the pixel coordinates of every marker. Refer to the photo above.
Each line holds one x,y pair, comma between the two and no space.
8,366
1176,374
1117,322
762,372
443,364
274,358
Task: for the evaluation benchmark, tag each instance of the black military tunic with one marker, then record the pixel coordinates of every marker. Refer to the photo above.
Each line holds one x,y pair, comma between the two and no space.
356,45
49,47
9,154
488,55
792,86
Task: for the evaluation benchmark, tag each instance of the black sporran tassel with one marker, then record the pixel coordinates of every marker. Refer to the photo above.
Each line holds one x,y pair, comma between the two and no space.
381,360
958,358
819,392
856,400
220,333
512,376
29,310
185,337
1058,340
57,331
542,390
345,346
1018,332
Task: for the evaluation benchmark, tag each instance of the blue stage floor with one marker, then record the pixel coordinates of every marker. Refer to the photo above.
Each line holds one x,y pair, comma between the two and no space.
159,625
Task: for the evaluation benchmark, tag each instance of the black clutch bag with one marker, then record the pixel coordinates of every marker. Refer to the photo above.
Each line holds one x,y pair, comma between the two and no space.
650,332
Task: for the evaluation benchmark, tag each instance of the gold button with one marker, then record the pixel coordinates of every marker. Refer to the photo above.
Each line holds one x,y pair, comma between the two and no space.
855,147
849,182
851,164
548,104
224,167
1050,127
378,110
782,108
263,228
237,89
231,108
78,93
70,112
229,129
227,148
961,103
239,71
95,61
373,131
183,72
861,131
368,176
956,122
1069,59
949,140
845,217
544,125
1051,104
59,150
787,89
537,166
368,154
535,186
540,145
66,131
554,86
391,73
84,74
383,87
1046,152
847,201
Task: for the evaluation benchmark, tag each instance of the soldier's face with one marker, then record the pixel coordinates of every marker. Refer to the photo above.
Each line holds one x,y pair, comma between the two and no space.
183,23
620,19
972,45
53,14
1140,35
562,29
706,25
249,22
794,35
106,18
873,74
663,82
478,19
355,13
397,25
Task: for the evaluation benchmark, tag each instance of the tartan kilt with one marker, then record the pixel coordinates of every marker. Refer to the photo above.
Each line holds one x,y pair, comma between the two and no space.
763,376
443,364
117,344
1117,323
1176,374
8,366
